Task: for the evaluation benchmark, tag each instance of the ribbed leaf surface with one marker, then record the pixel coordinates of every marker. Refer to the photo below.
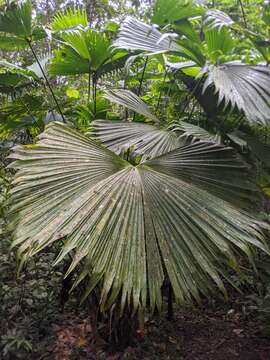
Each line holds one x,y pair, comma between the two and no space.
146,140
195,132
217,19
17,19
243,86
127,224
136,35
169,11
130,100
211,166
69,20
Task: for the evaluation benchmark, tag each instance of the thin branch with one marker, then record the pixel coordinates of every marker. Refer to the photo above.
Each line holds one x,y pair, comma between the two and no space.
46,79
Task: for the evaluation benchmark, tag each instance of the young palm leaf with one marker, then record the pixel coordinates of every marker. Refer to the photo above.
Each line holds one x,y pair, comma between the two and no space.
129,225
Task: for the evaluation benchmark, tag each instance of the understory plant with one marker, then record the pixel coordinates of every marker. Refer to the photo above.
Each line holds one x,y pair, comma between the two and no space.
145,196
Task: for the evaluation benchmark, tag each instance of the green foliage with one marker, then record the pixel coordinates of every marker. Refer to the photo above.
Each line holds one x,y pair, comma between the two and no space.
164,200
16,27
17,19
174,10
69,20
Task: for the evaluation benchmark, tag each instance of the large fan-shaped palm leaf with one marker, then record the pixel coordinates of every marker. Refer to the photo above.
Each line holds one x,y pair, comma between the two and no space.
83,51
243,86
17,19
144,140
195,132
16,27
129,225
136,35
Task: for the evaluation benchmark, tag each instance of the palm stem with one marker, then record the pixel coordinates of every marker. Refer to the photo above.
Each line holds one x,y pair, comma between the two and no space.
160,92
141,81
94,81
89,83
243,12
46,79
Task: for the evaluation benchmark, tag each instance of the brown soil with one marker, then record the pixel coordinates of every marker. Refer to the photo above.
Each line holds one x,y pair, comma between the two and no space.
194,334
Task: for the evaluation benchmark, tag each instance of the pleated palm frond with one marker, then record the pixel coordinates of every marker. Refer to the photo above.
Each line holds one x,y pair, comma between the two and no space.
145,140
9,42
136,35
217,19
16,26
195,132
243,86
131,101
90,45
30,72
69,20
17,19
169,11
67,61
129,225
25,72
83,51
219,42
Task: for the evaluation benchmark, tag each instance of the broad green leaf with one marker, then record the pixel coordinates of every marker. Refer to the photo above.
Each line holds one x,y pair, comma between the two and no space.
66,61
169,11
82,51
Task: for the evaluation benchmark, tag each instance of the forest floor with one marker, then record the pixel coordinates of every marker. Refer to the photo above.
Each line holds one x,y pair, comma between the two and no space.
33,325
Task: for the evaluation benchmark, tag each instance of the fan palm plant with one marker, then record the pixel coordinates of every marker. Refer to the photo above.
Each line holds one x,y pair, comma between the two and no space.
210,54
169,208
17,30
83,50
136,203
